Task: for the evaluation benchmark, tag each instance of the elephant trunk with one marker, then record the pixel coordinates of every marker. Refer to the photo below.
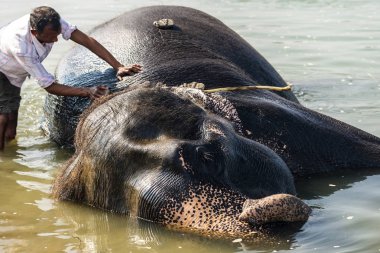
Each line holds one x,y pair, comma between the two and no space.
222,213
274,208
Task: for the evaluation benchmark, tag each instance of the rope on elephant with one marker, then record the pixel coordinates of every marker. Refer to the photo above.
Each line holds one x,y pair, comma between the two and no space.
252,87
201,86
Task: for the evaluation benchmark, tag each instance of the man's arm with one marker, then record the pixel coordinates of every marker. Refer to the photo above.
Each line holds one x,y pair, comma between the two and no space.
95,47
64,90
46,80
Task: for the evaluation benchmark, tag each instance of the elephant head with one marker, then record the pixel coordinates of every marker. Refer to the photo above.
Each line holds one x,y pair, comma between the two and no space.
177,157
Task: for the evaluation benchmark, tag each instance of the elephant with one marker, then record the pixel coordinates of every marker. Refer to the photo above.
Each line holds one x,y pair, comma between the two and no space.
132,38
167,148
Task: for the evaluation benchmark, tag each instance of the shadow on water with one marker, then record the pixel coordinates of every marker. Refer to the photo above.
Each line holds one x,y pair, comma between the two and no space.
323,185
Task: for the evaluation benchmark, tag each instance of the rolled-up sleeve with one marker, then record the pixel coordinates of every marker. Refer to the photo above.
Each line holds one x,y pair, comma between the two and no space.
67,29
36,70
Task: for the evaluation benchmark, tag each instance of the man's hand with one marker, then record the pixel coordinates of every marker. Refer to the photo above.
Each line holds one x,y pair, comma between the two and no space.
127,71
98,91
95,47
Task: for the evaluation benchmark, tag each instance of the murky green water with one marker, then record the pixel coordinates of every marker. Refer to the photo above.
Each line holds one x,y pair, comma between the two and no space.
330,50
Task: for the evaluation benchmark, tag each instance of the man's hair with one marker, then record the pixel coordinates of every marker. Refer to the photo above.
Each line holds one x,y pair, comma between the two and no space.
43,16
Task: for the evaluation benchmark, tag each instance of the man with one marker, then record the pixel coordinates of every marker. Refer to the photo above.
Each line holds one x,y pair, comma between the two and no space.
24,44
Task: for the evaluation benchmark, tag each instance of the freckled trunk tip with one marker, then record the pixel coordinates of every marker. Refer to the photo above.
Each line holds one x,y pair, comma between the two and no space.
275,208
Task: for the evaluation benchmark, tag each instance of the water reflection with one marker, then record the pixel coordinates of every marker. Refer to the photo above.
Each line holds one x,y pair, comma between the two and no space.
101,231
98,231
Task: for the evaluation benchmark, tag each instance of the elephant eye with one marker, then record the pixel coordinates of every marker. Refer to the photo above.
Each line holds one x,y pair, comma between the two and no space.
204,154
211,164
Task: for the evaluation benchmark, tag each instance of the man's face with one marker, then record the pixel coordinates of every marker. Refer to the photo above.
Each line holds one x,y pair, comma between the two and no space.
48,35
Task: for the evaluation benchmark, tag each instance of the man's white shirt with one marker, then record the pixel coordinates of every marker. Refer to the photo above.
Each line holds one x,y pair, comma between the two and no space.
21,53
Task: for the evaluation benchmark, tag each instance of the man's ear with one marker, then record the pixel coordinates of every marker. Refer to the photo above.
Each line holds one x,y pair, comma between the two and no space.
34,32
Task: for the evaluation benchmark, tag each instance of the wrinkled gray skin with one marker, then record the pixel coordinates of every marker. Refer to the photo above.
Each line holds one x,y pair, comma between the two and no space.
188,160
199,48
